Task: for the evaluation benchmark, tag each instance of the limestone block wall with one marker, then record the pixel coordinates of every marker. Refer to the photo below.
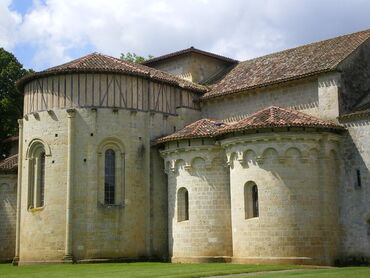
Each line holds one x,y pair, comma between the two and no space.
119,230
329,85
159,207
299,95
8,203
193,67
296,176
42,230
200,170
355,73
355,189
136,226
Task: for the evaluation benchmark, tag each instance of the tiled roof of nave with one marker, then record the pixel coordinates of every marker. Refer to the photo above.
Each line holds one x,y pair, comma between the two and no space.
291,64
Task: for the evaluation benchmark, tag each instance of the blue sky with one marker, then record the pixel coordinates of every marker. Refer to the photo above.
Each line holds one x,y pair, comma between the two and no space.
45,33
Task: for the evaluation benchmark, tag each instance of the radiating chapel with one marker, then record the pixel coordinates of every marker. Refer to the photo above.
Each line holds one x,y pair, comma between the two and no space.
193,157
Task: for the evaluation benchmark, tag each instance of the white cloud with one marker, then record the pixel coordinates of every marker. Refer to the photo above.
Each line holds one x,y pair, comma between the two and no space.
9,21
241,29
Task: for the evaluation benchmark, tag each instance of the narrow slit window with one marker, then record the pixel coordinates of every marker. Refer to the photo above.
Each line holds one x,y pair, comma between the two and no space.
358,176
182,204
110,177
41,180
255,200
186,216
251,204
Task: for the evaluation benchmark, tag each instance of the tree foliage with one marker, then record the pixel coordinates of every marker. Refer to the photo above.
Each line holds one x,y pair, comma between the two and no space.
132,57
11,101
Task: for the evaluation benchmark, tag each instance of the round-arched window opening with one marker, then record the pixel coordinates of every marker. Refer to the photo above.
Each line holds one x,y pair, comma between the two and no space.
251,204
182,204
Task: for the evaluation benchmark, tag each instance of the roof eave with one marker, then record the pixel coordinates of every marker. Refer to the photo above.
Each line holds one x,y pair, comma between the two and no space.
28,78
267,84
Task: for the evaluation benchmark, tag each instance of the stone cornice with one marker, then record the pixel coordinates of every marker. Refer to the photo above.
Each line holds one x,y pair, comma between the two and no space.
188,149
278,137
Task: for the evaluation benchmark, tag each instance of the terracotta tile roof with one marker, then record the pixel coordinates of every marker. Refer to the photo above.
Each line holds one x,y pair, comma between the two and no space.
271,117
10,139
188,51
9,164
198,129
289,64
97,62
361,114
275,116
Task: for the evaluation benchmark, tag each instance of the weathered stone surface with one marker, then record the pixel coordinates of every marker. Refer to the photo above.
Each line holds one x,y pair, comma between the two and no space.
8,202
313,182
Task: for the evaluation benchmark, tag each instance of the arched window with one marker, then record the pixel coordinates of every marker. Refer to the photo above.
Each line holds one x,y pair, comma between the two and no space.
251,206
41,188
111,172
255,200
182,204
110,177
36,175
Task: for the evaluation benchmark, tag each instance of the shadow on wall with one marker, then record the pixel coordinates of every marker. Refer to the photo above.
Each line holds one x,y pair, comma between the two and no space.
8,202
354,199
199,169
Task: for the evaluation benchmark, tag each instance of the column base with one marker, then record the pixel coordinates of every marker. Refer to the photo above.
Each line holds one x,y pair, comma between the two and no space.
281,260
15,261
67,259
51,262
201,259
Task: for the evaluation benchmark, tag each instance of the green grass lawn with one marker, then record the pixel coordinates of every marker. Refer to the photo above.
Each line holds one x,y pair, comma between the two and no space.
132,270
343,272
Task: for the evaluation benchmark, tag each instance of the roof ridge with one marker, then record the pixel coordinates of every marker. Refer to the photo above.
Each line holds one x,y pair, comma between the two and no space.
354,50
301,114
188,50
305,45
123,62
289,64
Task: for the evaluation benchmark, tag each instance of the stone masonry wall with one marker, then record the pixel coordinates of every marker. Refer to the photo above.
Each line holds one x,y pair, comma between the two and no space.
8,204
193,67
300,95
354,199
297,187
206,236
137,227
42,231
136,224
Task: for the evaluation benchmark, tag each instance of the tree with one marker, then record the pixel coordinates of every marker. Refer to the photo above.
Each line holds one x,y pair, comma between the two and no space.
11,101
132,57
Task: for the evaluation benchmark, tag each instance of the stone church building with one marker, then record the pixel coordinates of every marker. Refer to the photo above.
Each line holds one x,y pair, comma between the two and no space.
193,157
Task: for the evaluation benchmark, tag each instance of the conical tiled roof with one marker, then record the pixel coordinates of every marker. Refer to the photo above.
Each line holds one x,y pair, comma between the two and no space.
275,116
270,117
96,63
198,129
